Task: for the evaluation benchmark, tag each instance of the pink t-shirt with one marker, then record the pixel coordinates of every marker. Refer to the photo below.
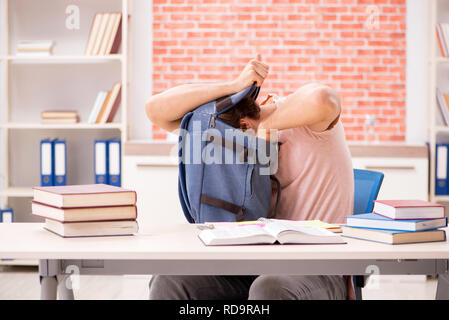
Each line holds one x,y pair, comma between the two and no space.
316,175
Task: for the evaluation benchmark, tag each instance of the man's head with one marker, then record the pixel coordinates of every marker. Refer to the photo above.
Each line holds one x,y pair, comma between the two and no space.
247,114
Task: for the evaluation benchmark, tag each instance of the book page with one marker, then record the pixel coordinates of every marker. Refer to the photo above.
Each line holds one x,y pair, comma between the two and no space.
237,232
275,228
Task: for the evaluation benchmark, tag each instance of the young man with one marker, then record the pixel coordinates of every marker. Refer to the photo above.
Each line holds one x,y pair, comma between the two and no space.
314,169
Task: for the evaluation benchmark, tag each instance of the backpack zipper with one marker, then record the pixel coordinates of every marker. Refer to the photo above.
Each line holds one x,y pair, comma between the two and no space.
212,121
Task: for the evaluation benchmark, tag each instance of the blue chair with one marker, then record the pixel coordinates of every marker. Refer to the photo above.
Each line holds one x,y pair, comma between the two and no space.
366,188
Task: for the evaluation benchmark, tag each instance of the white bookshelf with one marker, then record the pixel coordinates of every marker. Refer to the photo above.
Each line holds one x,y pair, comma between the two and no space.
67,80
438,11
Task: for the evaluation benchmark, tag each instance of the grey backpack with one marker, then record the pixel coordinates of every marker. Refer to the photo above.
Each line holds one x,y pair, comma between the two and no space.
224,173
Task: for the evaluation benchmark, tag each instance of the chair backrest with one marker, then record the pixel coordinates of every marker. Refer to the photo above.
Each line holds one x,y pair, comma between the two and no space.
366,188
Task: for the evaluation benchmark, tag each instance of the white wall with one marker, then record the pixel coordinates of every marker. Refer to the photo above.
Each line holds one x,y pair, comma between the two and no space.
141,68
417,75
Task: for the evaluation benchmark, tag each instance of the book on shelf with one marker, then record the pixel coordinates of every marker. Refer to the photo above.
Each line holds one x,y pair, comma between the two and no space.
105,34
99,102
57,116
35,48
443,100
110,213
92,229
442,30
394,236
375,221
408,209
266,231
80,196
111,105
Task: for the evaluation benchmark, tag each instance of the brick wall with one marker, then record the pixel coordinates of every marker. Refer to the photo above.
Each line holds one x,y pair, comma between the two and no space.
355,46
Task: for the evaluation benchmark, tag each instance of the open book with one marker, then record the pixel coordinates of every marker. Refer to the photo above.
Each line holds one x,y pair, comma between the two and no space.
268,232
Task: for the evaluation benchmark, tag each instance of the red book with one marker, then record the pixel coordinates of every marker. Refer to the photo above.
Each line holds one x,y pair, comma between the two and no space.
408,209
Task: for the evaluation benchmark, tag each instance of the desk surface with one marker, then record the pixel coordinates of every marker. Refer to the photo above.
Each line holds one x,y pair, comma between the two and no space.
180,241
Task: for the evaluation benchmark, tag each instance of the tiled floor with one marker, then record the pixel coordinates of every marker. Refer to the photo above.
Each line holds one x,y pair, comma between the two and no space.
23,283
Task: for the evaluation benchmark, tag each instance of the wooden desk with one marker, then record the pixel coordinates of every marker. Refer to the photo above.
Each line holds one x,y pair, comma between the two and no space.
176,249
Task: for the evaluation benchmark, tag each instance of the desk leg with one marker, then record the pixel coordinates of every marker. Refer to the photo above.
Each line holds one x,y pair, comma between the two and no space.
48,271
443,287
65,287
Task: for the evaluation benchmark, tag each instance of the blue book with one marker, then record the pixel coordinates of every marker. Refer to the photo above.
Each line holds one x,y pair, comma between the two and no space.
441,169
101,162
394,236
47,165
6,216
375,221
60,163
115,163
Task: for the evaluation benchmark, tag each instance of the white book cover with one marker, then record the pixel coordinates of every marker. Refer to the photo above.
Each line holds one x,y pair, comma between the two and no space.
97,106
443,106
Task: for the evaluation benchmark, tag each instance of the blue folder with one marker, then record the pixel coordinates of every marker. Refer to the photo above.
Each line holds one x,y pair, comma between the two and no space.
115,163
60,163
441,169
101,162
6,215
47,163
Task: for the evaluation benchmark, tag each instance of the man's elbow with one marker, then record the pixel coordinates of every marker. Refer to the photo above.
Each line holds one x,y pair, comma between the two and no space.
151,111
329,102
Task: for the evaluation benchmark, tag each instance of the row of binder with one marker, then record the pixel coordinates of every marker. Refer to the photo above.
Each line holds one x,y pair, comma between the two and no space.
108,162
6,215
53,162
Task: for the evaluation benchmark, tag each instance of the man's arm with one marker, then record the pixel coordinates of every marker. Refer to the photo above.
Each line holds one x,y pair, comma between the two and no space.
167,109
313,105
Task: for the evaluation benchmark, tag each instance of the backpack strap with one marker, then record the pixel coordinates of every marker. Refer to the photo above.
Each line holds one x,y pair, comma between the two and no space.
225,103
274,208
239,211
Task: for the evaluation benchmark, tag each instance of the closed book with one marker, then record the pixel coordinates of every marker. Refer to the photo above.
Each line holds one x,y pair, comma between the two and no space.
443,107
116,39
408,209
375,221
441,42
92,229
56,114
101,30
81,196
83,214
99,101
93,33
59,121
111,105
394,236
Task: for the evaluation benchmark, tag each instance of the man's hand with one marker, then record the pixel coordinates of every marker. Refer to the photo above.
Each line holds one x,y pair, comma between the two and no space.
255,71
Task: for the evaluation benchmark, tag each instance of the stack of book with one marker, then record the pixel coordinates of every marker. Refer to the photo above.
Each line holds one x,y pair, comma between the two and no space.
399,222
86,210
106,105
35,48
105,35
57,117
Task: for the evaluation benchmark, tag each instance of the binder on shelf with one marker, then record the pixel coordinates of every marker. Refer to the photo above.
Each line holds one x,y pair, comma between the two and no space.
47,162
101,161
6,215
441,168
60,163
114,148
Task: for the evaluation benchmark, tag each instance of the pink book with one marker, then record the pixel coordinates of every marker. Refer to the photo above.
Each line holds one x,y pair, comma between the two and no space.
82,196
408,209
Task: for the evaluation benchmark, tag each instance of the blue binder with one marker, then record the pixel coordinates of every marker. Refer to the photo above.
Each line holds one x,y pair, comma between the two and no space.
441,169
101,162
6,216
60,163
47,163
115,163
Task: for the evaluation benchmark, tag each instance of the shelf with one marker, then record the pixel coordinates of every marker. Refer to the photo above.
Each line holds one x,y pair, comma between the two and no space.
17,192
74,59
440,60
19,262
39,126
442,128
441,198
